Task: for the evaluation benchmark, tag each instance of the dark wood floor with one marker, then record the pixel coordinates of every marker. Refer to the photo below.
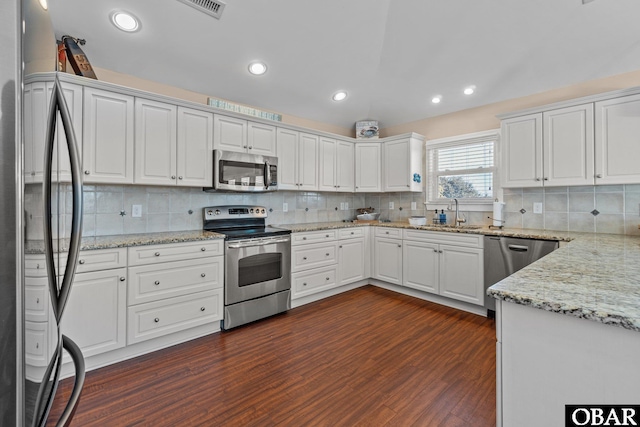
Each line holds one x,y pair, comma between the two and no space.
368,357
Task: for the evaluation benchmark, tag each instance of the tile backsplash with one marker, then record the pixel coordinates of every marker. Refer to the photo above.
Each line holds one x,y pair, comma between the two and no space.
107,208
601,209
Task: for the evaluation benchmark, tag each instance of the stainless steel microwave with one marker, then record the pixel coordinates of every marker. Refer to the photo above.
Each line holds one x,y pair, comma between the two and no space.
244,172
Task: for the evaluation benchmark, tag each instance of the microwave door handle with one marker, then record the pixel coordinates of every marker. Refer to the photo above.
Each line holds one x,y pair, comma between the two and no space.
267,174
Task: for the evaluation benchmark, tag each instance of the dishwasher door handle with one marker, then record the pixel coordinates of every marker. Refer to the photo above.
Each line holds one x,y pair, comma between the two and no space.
518,248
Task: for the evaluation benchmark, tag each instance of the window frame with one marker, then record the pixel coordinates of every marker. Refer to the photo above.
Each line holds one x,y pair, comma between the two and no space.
431,189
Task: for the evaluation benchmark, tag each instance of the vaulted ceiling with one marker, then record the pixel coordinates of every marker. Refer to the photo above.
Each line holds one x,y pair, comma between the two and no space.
391,56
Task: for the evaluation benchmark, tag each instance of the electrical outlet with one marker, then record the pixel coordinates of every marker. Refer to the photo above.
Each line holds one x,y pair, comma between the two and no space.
346,206
537,208
341,206
136,211
391,205
285,207
414,206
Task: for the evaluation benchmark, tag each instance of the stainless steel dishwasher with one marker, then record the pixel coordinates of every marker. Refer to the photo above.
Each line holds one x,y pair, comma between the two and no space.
503,256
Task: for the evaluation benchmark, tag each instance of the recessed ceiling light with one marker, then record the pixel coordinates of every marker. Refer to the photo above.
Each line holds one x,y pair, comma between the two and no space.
339,96
125,21
43,3
257,68
436,99
469,90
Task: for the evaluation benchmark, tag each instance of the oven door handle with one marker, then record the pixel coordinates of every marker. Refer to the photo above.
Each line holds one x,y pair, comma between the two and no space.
240,245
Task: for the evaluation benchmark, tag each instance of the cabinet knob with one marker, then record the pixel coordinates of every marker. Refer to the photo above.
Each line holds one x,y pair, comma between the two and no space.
599,175
203,275
173,177
340,246
326,235
202,308
304,284
156,320
327,278
37,300
356,187
244,146
440,251
81,261
37,345
537,179
304,258
352,233
399,246
179,177
546,179
408,185
122,279
386,232
157,254
203,249
435,250
87,172
327,254
157,282
304,238
250,148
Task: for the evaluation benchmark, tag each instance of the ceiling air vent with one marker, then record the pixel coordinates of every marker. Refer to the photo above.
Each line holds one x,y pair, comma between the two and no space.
210,7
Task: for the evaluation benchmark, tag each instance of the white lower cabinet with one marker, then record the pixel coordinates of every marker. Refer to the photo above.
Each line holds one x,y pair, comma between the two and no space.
388,260
420,266
351,256
313,281
462,273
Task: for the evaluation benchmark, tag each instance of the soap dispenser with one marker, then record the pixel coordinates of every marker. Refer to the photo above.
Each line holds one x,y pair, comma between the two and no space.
436,218
443,217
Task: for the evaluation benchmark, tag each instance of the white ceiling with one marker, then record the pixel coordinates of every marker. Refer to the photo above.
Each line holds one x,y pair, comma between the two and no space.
391,56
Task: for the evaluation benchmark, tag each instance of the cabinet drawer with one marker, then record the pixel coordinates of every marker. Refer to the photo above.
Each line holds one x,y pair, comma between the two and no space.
36,343
313,281
313,237
461,239
155,254
312,256
350,233
36,299
101,259
35,265
156,282
394,233
155,319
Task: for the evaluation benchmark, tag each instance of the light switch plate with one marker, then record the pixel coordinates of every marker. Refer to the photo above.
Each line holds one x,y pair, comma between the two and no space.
341,206
285,207
391,205
537,208
413,206
346,206
136,211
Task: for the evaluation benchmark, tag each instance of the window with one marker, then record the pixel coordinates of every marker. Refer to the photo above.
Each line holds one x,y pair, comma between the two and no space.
462,167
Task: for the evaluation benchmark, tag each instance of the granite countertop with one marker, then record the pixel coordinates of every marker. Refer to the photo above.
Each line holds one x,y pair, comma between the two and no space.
126,240
594,276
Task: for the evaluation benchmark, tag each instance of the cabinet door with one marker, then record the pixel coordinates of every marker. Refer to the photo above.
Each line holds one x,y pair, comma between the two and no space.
194,157
155,146
396,166
420,266
388,260
327,167
95,317
368,167
618,140
35,127
308,162
345,162
287,148
351,261
462,274
229,134
73,98
261,139
107,137
522,151
568,146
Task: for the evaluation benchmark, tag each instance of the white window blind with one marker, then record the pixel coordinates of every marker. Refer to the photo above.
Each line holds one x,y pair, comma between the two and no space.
462,169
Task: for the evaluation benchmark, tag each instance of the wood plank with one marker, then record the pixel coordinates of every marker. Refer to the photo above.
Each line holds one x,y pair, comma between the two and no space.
367,357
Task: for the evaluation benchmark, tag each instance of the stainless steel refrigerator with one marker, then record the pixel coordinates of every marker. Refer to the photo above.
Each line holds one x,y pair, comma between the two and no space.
27,401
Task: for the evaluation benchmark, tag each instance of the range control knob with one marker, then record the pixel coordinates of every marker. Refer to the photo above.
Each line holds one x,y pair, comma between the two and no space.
209,212
251,210
262,211
218,212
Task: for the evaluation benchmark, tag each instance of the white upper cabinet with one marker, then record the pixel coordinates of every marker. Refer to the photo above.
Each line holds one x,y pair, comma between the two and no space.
403,164
73,97
242,136
618,140
155,142
308,162
107,137
336,168
522,151
261,139
287,143
368,167
568,146
195,148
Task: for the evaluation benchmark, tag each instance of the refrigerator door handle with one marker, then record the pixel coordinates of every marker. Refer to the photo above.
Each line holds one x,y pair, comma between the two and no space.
59,296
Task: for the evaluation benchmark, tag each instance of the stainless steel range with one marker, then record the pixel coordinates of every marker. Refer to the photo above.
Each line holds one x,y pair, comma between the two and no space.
257,276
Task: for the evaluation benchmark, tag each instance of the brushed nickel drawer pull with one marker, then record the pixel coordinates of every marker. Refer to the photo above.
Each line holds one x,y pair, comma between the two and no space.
202,275
203,249
327,278
201,308
81,261
122,279
157,282
327,254
304,284
37,300
156,320
157,254
304,258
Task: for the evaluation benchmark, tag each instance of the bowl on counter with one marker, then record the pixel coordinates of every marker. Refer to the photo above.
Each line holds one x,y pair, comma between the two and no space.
368,216
417,220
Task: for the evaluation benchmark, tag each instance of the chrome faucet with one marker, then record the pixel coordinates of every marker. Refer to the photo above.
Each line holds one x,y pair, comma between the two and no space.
458,220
